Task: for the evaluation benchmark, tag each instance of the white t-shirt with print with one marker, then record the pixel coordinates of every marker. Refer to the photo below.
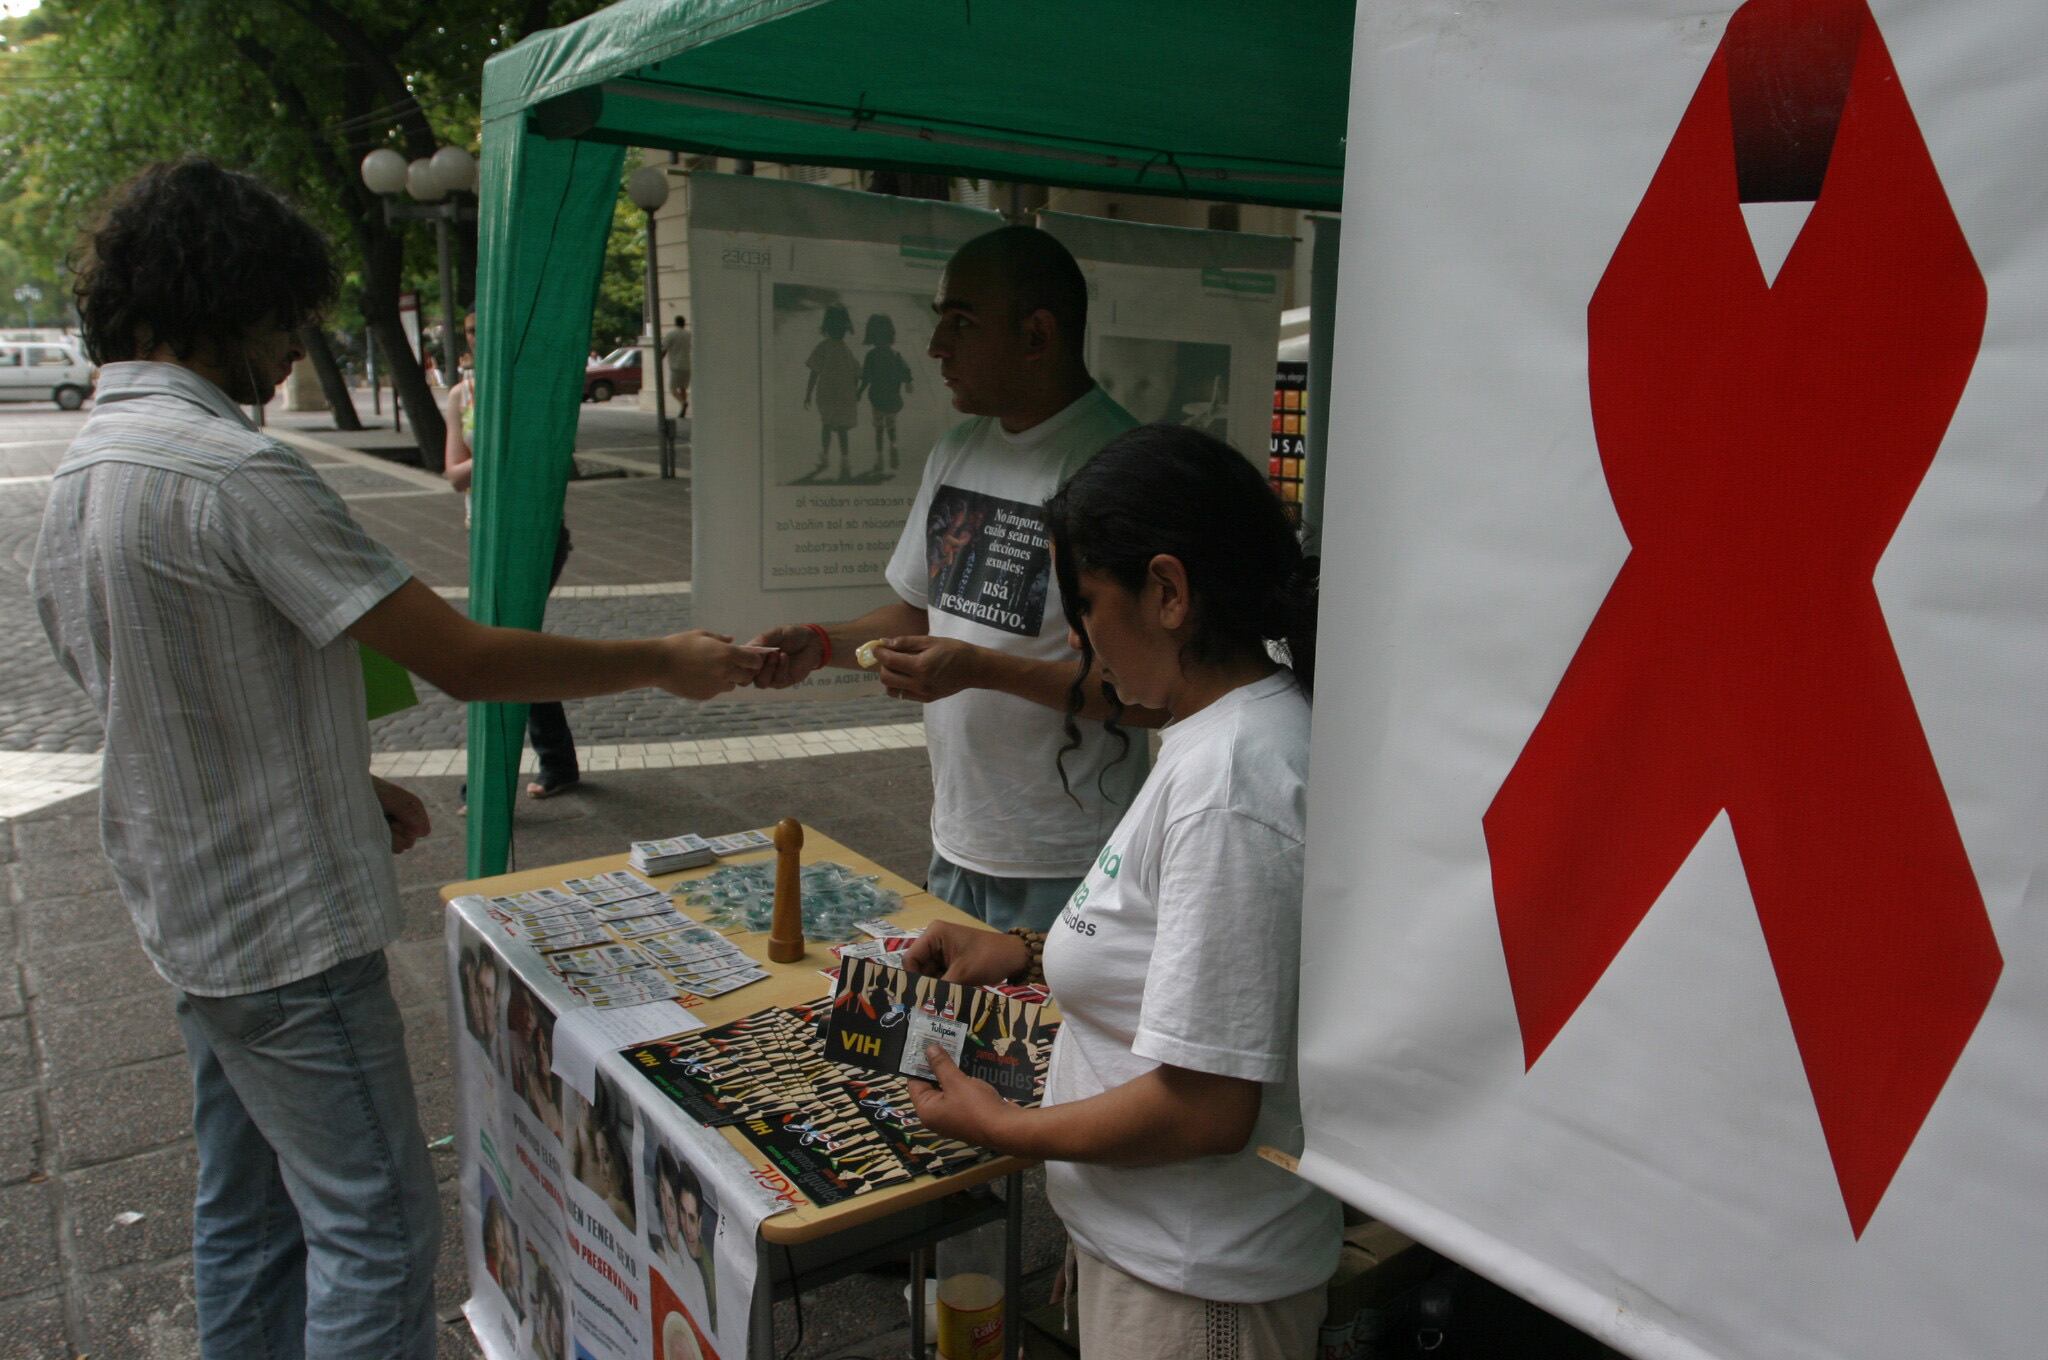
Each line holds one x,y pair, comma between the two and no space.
974,556
1183,946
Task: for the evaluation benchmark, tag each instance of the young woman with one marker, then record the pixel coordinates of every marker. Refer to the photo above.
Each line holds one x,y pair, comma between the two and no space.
1176,962
600,1154
834,382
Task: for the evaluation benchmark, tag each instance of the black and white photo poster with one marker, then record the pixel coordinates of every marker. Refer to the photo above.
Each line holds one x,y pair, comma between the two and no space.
813,399
1183,325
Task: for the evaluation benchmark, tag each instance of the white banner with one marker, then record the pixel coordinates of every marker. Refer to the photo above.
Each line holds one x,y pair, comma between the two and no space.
813,399
598,1226
1183,326
1676,902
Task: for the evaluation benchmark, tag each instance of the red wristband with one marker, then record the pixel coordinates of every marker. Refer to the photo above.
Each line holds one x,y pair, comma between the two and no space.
824,643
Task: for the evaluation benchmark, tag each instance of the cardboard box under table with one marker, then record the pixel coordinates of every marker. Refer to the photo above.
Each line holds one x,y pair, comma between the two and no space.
562,1259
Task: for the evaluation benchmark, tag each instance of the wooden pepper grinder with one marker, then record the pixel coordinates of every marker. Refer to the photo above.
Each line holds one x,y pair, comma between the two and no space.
786,930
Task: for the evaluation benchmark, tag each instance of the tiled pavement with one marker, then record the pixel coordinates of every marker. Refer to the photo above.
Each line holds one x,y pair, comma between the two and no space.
95,1151
627,576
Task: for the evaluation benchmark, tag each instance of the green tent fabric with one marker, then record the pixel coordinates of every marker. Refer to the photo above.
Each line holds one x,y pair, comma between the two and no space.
1212,99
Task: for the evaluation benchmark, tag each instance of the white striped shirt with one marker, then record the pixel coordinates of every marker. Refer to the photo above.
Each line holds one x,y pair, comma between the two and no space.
197,579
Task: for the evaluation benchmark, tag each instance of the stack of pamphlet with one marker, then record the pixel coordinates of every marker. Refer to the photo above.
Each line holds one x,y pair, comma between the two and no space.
739,843
616,940
671,855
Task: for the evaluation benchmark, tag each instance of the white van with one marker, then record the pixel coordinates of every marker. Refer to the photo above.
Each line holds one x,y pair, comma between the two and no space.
45,370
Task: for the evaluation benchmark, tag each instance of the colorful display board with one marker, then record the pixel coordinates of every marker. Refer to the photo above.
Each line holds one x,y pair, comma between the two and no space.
1287,444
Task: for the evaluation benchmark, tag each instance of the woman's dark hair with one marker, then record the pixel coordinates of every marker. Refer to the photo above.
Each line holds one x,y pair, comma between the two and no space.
1168,489
191,256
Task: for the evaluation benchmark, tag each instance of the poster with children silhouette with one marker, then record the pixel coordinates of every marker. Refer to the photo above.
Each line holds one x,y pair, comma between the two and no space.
814,403
852,388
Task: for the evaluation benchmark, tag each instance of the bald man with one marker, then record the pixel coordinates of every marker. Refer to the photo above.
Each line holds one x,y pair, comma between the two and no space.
977,633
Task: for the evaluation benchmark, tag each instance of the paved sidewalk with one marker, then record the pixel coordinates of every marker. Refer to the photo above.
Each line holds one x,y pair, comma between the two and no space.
628,575
94,1096
96,1158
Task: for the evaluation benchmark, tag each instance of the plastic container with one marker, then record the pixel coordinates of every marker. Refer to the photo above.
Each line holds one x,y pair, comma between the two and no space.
970,1311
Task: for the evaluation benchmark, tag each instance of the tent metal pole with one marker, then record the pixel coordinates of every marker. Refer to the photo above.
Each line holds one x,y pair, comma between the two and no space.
660,374
869,122
433,459
1322,344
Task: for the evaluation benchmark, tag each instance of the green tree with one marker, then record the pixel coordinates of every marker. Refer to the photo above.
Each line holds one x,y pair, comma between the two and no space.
622,288
294,91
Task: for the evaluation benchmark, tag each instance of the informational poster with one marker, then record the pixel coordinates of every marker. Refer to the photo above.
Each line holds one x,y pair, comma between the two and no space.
988,558
814,401
599,1226
1183,325
1287,444
1674,946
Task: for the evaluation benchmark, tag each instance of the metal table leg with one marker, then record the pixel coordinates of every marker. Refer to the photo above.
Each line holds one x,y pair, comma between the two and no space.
917,1278
1013,1265
761,1333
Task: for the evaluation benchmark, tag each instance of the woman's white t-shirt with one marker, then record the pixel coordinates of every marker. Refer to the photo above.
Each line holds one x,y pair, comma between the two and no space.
1182,946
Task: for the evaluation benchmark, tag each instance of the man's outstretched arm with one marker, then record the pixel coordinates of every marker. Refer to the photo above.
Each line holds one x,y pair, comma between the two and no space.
800,650
929,668
472,662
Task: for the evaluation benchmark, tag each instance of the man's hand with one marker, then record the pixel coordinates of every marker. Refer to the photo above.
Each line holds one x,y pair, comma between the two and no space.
702,665
960,1106
797,654
928,668
960,953
406,815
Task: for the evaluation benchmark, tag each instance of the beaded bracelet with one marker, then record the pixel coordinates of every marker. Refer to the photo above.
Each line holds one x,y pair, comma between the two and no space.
824,643
1032,973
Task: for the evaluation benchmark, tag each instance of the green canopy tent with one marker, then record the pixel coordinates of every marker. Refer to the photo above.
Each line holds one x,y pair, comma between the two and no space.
1210,99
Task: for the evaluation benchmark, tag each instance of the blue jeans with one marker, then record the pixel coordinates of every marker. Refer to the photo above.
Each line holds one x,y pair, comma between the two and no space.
547,726
1002,902
317,1220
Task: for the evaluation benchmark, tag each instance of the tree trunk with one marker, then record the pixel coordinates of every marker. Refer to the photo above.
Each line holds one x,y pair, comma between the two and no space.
409,382
332,384
465,267
381,247
379,300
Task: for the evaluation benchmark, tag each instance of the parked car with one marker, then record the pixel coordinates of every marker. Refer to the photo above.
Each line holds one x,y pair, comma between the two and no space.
45,371
615,375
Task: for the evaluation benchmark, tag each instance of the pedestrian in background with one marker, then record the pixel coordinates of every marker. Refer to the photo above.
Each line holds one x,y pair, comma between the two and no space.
675,348
547,724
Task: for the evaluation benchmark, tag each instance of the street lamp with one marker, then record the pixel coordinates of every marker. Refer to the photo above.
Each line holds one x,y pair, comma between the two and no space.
648,188
28,295
439,184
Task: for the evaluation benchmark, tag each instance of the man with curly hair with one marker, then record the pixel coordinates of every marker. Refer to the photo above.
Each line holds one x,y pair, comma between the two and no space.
207,590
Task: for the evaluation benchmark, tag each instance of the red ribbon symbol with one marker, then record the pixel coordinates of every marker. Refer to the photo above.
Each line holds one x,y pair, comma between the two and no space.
1761,443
